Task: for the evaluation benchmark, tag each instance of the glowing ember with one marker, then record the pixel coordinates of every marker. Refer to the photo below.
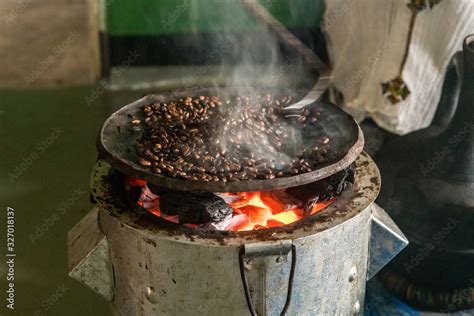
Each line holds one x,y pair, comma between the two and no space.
252,210
261,215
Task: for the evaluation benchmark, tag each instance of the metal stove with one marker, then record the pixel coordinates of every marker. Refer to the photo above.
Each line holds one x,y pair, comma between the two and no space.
146,265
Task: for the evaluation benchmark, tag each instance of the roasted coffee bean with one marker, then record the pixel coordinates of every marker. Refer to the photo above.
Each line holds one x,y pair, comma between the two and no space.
186,139
144,162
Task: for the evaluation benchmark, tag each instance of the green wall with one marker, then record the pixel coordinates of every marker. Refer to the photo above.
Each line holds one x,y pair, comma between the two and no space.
162,17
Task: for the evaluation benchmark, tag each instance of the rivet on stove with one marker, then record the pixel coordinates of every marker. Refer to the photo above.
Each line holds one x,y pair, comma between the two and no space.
150,295
356,308
279,259
352,274
248,264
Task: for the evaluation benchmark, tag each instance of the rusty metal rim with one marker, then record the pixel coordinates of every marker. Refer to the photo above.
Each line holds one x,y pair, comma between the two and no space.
348,205
127,167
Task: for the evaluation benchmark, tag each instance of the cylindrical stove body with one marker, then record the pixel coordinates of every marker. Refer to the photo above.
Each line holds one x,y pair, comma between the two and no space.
318,265
161,274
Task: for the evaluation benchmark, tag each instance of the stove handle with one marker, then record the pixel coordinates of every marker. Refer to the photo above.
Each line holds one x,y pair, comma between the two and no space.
386,240
262,250
89,256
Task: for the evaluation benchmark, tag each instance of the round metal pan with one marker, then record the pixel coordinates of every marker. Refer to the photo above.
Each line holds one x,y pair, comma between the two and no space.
115,144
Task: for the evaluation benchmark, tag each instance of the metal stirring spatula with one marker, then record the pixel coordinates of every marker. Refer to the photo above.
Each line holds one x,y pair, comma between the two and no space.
291,40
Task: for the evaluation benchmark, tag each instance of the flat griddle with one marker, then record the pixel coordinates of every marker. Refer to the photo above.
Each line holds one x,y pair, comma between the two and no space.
115,144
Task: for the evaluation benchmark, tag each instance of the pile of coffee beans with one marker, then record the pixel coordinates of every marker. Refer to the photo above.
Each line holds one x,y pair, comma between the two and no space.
230,139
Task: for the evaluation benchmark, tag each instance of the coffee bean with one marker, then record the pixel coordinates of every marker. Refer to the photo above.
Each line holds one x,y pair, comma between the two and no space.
144,162
208,138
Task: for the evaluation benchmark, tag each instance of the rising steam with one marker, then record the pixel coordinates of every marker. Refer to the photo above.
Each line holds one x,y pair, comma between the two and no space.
248,62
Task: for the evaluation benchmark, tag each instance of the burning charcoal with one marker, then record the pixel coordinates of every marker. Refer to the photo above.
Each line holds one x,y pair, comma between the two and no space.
237,211
255,213
279,201
222,225
230,199
274,223
146,195
195,208
323,190
237,222
152,205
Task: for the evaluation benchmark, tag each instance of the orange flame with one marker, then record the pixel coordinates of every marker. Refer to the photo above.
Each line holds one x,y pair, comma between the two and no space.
252,210
261,215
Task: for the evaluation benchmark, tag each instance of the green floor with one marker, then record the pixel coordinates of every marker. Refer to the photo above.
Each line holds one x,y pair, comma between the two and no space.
47,152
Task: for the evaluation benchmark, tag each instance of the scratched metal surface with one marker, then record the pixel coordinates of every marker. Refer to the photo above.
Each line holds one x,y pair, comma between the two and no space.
157,275
163,271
